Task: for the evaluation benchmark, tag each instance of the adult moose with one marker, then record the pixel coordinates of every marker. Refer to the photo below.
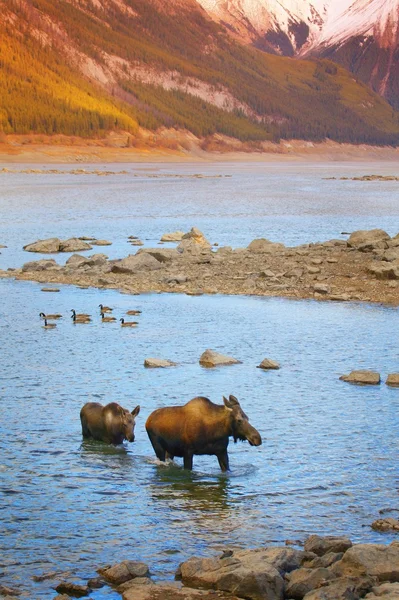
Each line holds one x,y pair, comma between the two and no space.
199,427
111,423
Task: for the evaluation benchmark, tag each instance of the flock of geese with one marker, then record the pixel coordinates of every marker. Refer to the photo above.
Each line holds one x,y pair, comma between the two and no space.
86,318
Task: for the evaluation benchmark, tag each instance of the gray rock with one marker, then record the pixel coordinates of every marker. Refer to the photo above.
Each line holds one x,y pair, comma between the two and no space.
362,377
343,588
76,261
158,363
136,262
251,574
41,265
124,571
384,270
393,380
74,245
48,246
210,358
320,288
176,236
374,560
305,580
322,545
268,363
163,256
323,561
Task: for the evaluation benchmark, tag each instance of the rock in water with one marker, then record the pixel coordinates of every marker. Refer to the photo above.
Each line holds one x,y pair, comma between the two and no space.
210,358
267,363
362,377
48,246
154,363
393,380
176,236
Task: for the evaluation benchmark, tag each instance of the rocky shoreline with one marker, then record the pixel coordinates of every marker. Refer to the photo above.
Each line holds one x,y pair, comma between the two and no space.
322,568
365,267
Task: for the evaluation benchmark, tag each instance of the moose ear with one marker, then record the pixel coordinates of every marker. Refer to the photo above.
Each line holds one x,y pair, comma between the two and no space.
227,403
136,411
233,401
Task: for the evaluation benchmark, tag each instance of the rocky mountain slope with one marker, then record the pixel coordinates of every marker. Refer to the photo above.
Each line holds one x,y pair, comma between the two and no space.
85,67
362,35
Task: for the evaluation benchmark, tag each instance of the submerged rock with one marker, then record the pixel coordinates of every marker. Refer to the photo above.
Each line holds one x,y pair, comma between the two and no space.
73,589
154,363
387,524
362,377
210,358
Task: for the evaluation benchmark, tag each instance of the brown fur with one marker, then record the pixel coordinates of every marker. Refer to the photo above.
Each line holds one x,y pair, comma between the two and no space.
111,423
199,427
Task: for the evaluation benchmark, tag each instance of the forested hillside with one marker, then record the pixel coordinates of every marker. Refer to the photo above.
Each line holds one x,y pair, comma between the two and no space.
81,67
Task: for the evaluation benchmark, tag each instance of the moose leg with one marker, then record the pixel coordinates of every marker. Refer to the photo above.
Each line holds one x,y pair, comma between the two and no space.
188,460
169,456
85,429
223,459
159,451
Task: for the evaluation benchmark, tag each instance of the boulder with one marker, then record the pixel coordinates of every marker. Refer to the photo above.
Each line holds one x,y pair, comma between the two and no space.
73,589
210,358
388,524
343,588
74,245
252,574
322,545
393,380
305,580
41,265
76,261
163,256
322,561
169,591
362,377
264,246
101,243
373,560
386,591
136,262
321,288
176,236
124,571
391,254
48,246
384,270
366,241
196,236
268,363
155,363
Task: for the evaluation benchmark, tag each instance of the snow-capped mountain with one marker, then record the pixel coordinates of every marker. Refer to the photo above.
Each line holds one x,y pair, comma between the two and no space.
281,26
363,35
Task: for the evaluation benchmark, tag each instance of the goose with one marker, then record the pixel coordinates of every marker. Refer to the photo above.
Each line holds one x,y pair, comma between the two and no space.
79,315
128,323
105,309
48,325
50,317
133,312
107,319
80,319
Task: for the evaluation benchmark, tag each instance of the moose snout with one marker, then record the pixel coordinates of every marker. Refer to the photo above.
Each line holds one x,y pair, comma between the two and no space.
254,438
131,438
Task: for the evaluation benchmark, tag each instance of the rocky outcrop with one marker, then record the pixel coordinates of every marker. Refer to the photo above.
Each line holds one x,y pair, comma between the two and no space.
210,358
197,237
386,591
136,262
74,245
367,241
304,580
124,571
362,377
165,255
169,591
374,560
251,574
264,246
41,265
268,363
158,363
343,588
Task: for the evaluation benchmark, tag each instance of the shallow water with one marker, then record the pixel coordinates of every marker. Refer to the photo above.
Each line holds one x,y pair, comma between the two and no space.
328,463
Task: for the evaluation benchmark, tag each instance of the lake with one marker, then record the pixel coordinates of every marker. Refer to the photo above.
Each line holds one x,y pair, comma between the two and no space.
328,463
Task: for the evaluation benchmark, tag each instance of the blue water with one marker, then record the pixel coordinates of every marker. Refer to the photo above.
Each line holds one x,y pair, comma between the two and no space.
328,463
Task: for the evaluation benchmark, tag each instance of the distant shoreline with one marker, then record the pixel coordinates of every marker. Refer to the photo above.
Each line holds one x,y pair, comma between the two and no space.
22,150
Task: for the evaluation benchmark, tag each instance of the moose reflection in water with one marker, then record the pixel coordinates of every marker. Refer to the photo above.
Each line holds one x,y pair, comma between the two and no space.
199,427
